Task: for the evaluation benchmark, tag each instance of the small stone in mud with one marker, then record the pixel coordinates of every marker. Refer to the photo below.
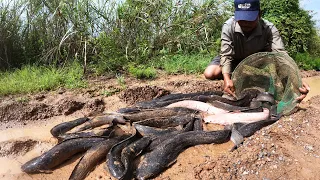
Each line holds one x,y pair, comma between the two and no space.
245,173
309,147
261,154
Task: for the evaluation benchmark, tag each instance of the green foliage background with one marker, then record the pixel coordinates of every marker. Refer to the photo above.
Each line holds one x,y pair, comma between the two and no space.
294,24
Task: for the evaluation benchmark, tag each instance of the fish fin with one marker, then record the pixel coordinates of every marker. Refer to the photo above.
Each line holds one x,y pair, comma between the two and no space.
236,137
119,120
172,162
46,171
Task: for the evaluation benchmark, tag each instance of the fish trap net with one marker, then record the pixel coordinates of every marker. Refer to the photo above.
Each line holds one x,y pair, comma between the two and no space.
272,72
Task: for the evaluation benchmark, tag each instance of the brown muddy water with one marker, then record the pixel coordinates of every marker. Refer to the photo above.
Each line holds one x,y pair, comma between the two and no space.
19,145
13,153
314,83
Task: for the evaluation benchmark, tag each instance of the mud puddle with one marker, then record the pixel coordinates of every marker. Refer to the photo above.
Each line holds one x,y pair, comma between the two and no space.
19,145
314,83
35,140
10,164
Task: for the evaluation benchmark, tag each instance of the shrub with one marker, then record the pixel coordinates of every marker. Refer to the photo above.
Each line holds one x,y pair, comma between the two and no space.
307,62
142,72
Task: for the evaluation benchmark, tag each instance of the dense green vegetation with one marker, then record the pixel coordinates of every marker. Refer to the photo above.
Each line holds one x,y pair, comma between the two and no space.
42,38
36,79
297,30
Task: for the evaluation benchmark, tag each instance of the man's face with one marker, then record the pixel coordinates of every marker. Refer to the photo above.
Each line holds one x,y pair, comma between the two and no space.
248,26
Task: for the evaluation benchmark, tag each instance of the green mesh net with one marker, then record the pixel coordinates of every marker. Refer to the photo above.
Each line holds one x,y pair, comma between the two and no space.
272,72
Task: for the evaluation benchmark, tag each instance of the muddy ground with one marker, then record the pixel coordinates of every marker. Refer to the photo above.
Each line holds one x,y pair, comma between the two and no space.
288,149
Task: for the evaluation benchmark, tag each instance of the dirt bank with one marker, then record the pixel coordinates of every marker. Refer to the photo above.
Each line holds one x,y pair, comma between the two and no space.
289,148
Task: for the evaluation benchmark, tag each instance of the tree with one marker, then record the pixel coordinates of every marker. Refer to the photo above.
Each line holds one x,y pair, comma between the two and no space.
295,24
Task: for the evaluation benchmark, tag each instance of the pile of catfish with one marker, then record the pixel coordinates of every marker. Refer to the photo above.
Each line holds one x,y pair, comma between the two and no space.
143,140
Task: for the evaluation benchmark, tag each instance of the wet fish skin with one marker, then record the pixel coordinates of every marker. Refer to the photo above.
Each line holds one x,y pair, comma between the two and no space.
59,154
243,101
130,152
234,125
172,98
159,126
229,107
113,162
231,118
109,132
100,121
197,125
152,131
249,129
157,140
160,104
157,104
128,110
159,112
198,106
165,154
165,122
266,97
66,126
93,157
93,133
240,130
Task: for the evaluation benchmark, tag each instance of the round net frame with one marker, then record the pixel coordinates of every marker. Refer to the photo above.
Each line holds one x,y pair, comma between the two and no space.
272,72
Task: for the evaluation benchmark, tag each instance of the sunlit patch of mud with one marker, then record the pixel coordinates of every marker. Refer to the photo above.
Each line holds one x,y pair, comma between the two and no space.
142,93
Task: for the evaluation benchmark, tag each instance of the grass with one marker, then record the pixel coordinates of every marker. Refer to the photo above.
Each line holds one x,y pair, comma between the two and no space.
121,81
171,64
142,71
109,92
307,62
32,79
187,64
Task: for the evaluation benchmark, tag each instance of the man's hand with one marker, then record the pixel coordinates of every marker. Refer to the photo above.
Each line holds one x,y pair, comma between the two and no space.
228,85
304,90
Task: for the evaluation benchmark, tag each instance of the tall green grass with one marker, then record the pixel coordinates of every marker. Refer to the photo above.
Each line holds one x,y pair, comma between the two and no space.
30,79
105,34
142,72
307,62
187,64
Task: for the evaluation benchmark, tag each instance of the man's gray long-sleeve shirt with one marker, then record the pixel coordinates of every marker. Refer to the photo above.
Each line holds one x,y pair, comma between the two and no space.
235,46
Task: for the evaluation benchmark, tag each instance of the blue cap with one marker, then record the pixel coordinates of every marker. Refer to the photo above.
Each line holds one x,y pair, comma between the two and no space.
246,10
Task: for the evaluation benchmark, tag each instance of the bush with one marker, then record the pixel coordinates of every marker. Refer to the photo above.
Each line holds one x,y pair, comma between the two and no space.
294,23
307,62
142,72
